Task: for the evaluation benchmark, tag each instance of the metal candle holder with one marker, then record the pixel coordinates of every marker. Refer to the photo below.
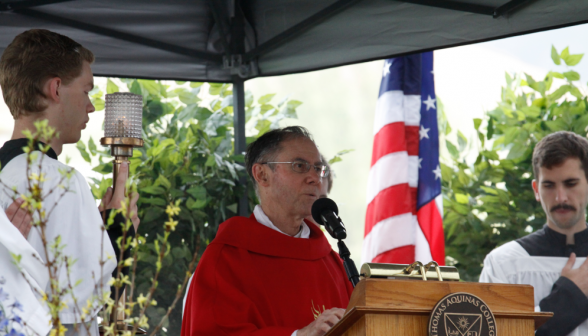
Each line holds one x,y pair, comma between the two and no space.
122,127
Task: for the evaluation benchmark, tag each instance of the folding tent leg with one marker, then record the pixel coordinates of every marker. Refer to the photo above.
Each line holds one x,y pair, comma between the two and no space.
240,142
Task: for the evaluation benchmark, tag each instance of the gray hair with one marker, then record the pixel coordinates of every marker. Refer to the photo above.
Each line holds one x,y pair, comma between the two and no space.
267,146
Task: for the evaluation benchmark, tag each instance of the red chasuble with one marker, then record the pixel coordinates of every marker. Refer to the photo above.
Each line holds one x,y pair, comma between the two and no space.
253,280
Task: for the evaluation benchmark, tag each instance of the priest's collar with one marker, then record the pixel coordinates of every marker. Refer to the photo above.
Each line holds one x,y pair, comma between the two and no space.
13,148
550,243
580,238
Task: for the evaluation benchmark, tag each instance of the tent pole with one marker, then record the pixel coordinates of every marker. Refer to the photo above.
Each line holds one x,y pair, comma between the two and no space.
240,141
238,48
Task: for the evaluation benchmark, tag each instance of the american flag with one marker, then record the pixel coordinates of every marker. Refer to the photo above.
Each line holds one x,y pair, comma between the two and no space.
404,215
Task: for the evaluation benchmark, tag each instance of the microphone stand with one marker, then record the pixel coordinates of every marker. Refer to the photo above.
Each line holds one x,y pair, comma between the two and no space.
350,268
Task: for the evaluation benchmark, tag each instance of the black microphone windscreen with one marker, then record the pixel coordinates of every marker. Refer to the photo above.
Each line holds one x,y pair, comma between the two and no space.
320,205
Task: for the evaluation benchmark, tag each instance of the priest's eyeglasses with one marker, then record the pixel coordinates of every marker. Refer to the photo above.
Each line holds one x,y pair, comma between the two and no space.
302,167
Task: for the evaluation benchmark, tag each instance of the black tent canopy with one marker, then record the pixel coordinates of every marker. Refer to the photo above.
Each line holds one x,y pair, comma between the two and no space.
211,40
235,40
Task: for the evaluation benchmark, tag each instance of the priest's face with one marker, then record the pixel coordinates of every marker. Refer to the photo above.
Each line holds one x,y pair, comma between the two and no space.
563,193
295,192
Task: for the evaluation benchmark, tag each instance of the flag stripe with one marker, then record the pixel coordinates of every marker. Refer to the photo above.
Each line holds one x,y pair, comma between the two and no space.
393,201
422,250
401,255
392,169
394,106
398,231
408,140
433,231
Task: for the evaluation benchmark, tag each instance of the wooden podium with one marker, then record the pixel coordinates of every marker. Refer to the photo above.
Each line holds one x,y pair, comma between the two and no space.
403,307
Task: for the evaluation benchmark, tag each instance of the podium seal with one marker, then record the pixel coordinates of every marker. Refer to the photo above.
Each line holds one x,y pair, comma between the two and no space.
462,314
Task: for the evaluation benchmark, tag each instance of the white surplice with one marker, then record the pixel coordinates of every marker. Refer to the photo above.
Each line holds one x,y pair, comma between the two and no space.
77,221
20,284
512,264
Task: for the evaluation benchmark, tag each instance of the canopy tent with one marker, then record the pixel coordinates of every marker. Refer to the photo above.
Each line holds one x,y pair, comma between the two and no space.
234,40
209,40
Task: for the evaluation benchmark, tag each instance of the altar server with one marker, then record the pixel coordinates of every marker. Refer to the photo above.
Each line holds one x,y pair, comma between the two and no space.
45,75
553,259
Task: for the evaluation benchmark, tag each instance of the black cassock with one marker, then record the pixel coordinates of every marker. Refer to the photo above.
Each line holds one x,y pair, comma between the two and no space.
537,260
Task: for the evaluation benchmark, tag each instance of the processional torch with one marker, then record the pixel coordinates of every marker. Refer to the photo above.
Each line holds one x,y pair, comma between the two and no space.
122,132
122,127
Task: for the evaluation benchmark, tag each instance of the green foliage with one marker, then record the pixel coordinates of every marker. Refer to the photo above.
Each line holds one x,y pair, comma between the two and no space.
187,157
491,202
337,157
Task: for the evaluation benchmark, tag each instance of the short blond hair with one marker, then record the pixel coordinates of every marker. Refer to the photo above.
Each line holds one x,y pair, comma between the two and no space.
32,58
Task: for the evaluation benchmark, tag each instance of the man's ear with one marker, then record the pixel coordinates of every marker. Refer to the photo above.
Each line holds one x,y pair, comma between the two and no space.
536,190
261,174
52,89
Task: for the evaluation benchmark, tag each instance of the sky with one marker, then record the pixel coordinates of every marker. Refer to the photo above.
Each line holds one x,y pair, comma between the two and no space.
339,104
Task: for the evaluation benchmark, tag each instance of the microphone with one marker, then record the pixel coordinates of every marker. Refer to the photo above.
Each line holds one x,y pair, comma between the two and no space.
325,212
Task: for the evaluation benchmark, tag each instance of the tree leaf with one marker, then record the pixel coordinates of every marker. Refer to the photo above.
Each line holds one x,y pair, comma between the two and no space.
136,88
509,79
539,102
214,88
452,149
162,145
198,192
576,92
461,198
565,53
461,141
490,130
555,75
153,201
188,97
571,75
572,60
82,149
555,56
517,150
98,104
266,98
153,189
103,168
335,159
92,146
162,180
153,87
111,87
489,190
559,92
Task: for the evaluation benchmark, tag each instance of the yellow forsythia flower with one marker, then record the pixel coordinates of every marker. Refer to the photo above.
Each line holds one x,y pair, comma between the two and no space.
171,224
60,331
172,210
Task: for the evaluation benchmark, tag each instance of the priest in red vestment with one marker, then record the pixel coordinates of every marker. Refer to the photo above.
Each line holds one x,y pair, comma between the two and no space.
273,273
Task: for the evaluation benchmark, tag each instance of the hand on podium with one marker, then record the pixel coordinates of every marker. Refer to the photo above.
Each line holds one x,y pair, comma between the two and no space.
323,323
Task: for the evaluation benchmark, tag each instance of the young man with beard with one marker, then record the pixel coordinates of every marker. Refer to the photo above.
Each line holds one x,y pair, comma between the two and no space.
553,259
47,76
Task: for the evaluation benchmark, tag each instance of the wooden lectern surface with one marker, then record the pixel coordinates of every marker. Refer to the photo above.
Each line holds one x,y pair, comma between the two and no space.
402,307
